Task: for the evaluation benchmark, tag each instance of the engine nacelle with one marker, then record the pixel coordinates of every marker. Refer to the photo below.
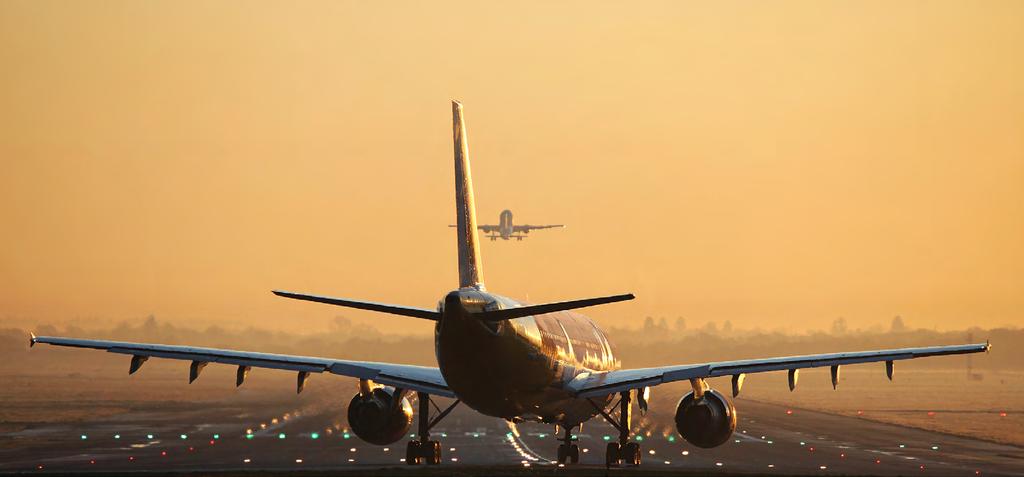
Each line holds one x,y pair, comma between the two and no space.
377,418
706,422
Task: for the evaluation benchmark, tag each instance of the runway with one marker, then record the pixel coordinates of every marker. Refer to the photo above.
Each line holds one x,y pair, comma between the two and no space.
769,439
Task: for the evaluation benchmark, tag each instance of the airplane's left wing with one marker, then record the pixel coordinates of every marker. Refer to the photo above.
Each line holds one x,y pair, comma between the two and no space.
416,378
527,228
608,382
486,228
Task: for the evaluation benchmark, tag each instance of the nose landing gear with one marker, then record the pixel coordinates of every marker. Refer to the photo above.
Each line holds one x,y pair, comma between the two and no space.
424,450
623,451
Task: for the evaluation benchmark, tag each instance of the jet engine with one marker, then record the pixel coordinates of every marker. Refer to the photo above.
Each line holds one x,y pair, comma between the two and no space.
707,421
380,416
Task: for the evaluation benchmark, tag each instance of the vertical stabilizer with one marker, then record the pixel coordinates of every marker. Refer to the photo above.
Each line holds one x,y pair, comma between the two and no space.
471,273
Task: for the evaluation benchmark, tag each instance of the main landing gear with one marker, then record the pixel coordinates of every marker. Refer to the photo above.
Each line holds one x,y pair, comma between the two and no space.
623,451
425,450
568,453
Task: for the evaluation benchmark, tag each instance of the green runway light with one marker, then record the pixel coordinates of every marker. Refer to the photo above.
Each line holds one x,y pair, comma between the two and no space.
476,434
607,438
248,436
542,435
639,438
314,435
216,436
281,436
184,436
345,435
444,434
671,438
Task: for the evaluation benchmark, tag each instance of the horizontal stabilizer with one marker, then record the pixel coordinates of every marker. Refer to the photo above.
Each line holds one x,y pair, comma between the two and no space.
365,305
531,310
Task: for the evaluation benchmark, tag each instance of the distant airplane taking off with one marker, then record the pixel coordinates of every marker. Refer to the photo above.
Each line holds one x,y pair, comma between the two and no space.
507,230
508,359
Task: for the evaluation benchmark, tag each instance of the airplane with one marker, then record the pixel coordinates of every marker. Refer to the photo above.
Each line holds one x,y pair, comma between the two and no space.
511,360
506,230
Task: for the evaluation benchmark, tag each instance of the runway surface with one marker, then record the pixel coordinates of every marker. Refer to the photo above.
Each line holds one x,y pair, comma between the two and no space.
769,439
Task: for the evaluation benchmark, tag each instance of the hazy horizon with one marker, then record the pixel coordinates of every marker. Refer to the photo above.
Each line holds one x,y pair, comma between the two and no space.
776,165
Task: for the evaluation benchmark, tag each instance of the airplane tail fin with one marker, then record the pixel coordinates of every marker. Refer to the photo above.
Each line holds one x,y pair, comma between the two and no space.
471,272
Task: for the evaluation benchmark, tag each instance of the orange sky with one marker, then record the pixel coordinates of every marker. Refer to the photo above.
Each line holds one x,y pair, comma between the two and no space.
776,164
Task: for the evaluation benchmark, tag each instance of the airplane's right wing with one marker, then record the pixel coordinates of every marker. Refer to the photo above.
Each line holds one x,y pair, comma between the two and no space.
608,382
527,228
416,378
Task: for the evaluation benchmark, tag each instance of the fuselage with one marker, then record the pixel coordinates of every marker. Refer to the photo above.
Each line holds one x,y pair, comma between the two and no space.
516,369
505,228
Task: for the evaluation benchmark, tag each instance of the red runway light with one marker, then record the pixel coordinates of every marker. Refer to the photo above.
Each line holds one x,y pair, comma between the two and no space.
810,449
131,458
190,448
922,467
40,466
789,412
878,461
211,442
860,412
163,453
842,455
1002,414
92,461
931,413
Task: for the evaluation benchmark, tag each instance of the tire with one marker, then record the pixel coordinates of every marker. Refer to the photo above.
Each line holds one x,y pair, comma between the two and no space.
433,451
631,453
612,454
412,453
574,454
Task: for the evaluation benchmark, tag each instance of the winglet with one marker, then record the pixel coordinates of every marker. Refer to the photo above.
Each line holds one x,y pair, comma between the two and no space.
31,339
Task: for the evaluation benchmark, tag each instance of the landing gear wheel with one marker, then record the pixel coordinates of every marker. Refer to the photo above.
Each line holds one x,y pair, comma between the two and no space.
432,452
631,453
574,454
612,454
412,452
